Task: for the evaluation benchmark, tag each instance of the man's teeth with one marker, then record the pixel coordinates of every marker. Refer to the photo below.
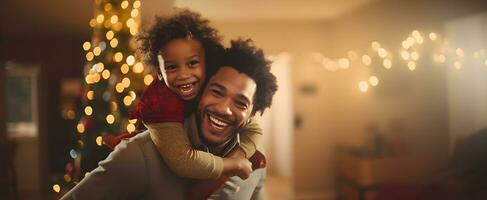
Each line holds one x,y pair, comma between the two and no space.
220,124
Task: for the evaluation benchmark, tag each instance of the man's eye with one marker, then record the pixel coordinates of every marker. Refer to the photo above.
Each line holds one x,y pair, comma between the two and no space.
241,105
216,93
193,63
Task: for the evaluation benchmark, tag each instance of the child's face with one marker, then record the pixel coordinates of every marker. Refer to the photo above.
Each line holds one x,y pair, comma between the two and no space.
185,66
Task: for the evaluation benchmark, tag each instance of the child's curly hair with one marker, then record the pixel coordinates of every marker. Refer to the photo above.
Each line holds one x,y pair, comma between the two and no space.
244,57
183,24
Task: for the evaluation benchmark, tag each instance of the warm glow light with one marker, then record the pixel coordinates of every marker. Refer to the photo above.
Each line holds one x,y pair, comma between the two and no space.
88,79
114,43
88,110
133,95
70,114
366,60
132,121
148,79
118,57
419,39
99,67
90,94
97,51
86,46
137,4
405,55
387,63
80,127
344,63
411,41
67,178
433,36
90,56
114,106
485,63
105,74
130,128
415,55
363,86
119,87
460,52
117,26
124,4
374,81
352,55
130,22
100,18
134,13
99,141
441,58
405,44
124,68
138,68
126,82
457,65
56,188
382,52
130,60
133,30
114,19
96,77
92,23
415,33
411,65
110,35
375,45
127,100
108,7
110,119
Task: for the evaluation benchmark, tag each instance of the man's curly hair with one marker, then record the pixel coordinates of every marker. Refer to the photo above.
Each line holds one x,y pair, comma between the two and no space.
244,57
182,24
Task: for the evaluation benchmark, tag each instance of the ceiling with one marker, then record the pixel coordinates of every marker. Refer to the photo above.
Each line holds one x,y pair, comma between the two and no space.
63,18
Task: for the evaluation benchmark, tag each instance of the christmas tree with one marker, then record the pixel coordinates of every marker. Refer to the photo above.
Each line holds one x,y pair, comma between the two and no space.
113,77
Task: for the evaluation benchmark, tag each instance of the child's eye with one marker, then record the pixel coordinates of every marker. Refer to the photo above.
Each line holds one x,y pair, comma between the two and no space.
170,67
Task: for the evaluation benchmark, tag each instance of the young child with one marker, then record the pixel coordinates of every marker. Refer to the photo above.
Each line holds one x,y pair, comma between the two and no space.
186,47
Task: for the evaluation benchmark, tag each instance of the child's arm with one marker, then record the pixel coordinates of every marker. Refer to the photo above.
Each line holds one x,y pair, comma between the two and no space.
172,143
250,138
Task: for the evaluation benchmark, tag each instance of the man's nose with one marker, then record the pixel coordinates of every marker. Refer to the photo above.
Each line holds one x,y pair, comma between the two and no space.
223,107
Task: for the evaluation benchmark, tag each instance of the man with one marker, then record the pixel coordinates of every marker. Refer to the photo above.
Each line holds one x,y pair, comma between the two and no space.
242,87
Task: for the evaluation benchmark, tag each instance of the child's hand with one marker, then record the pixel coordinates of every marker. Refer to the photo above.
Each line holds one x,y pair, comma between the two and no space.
240,167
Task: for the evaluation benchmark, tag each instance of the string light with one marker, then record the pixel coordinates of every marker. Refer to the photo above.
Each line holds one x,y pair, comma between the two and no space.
97,51
130,60
136,4
133,95
460,52
375,45
81,128
105,74
67,178
86,46
88,110
363,86
130,22
114,43
411,65
138,68
457,65
99,141
114,106
415,55
148,78
433,36
124,4
124,68
118,57
90,56
90,94
366,60
134,13
109,35
114,19
382,52
92,23
100,18
374,81
127,100
405,55
99,67
126,82
352,55
130,128
119,87
133,30
70,114
56,188
485,62
110,119
132,121
344,63
108,7
387,63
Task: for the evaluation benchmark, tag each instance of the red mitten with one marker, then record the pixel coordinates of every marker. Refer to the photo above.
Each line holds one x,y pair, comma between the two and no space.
111,141
159,104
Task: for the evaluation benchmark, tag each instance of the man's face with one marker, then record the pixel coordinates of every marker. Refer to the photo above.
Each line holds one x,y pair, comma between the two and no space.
226,105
